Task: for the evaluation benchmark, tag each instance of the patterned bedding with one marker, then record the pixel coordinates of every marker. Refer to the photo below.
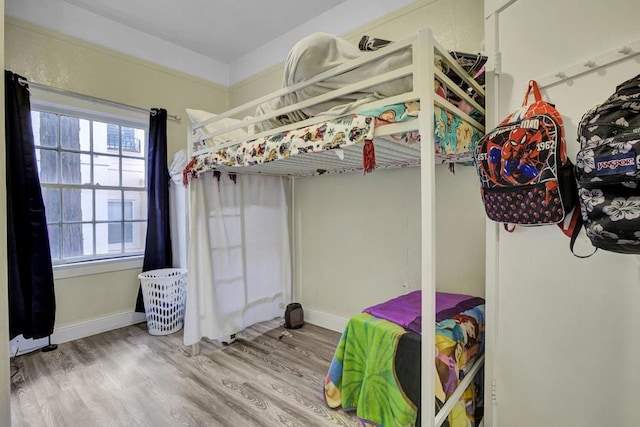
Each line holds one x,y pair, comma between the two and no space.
455,139
376,367
336,133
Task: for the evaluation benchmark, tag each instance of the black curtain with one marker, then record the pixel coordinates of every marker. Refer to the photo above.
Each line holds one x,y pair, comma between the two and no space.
32,302
157,251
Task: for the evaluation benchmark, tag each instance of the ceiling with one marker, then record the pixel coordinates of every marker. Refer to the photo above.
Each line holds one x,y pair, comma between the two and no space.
221,29
222,41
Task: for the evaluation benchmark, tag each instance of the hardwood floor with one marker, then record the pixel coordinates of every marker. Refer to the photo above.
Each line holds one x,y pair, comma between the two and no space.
127,377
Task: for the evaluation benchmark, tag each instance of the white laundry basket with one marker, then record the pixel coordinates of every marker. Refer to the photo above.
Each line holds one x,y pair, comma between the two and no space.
164,293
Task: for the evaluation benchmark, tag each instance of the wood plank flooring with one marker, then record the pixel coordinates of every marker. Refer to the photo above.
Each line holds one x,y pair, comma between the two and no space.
129,378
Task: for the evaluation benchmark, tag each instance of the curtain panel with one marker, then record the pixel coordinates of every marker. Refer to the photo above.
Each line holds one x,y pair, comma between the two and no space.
32,302
157,250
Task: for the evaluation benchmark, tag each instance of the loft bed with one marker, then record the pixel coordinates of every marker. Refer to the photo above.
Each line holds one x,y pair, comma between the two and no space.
285,139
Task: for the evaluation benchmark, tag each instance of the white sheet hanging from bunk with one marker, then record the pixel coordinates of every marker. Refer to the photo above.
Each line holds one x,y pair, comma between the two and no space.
239,259
178,213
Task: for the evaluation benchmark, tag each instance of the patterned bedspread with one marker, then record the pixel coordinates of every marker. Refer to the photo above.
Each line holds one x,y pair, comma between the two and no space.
340,132
454,139
376,367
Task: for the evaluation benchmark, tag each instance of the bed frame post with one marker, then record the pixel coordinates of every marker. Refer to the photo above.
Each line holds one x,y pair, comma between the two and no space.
423,53
492,251
195,348
294,292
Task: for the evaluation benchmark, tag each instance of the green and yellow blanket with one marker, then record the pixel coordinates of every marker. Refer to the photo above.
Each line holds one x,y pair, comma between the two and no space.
362,373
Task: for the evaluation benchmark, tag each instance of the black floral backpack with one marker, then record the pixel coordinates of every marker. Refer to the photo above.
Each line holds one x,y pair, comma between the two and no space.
608,171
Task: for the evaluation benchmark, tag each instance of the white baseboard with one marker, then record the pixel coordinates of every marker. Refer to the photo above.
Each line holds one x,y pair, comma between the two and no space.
325,320
19,345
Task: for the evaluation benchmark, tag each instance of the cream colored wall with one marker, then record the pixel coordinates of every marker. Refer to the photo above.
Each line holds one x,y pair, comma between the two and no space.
5,401
53,59
256,86
358,238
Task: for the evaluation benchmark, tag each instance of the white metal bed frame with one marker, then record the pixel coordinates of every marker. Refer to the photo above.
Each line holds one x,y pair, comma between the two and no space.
388,155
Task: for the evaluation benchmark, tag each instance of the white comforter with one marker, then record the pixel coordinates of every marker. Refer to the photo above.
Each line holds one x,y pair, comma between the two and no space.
320,52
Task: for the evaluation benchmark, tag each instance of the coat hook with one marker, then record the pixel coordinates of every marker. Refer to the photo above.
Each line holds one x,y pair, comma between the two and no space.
590,64
561,75
626,50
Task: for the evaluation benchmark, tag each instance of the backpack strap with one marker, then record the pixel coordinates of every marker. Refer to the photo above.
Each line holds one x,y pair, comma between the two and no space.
575,223
573,230
536,92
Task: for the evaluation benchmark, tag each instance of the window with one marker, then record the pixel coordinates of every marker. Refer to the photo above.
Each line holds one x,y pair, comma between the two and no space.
115,230
126,140
92,172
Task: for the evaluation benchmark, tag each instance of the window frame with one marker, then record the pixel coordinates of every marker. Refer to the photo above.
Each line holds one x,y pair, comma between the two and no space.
92,264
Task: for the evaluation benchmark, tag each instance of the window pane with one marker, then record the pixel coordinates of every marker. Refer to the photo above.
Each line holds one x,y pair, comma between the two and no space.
54,241
51,198
45,129
137,237
76,168
131,144
75,133
47,166
115,211
35,127
77,204
77,240
133,173
85,135
140,136
106,138
138,204
106,232
85,169
106,170
115,232
128,232
103,211
73,240
87,239
128,209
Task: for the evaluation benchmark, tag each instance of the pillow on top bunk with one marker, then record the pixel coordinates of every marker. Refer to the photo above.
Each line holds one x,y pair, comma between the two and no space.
197,116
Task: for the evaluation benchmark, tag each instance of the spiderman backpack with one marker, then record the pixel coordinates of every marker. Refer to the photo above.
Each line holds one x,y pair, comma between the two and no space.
525,174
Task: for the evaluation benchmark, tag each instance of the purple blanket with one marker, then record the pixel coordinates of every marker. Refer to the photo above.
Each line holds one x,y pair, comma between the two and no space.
406,310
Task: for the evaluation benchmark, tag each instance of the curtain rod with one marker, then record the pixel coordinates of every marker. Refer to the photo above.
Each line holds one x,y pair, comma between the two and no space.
91,98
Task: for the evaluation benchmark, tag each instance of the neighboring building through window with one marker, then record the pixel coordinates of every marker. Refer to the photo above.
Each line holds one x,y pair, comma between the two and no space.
115,229
92,172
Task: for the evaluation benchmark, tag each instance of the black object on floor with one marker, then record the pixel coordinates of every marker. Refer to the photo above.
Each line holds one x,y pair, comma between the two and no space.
49,347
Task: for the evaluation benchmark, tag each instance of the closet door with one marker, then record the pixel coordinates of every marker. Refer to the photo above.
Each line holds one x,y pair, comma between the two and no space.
563,346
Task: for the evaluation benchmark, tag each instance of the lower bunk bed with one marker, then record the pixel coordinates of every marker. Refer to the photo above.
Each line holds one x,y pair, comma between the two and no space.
376,367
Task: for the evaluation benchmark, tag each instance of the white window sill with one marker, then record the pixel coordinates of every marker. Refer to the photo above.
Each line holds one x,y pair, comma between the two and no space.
67,271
